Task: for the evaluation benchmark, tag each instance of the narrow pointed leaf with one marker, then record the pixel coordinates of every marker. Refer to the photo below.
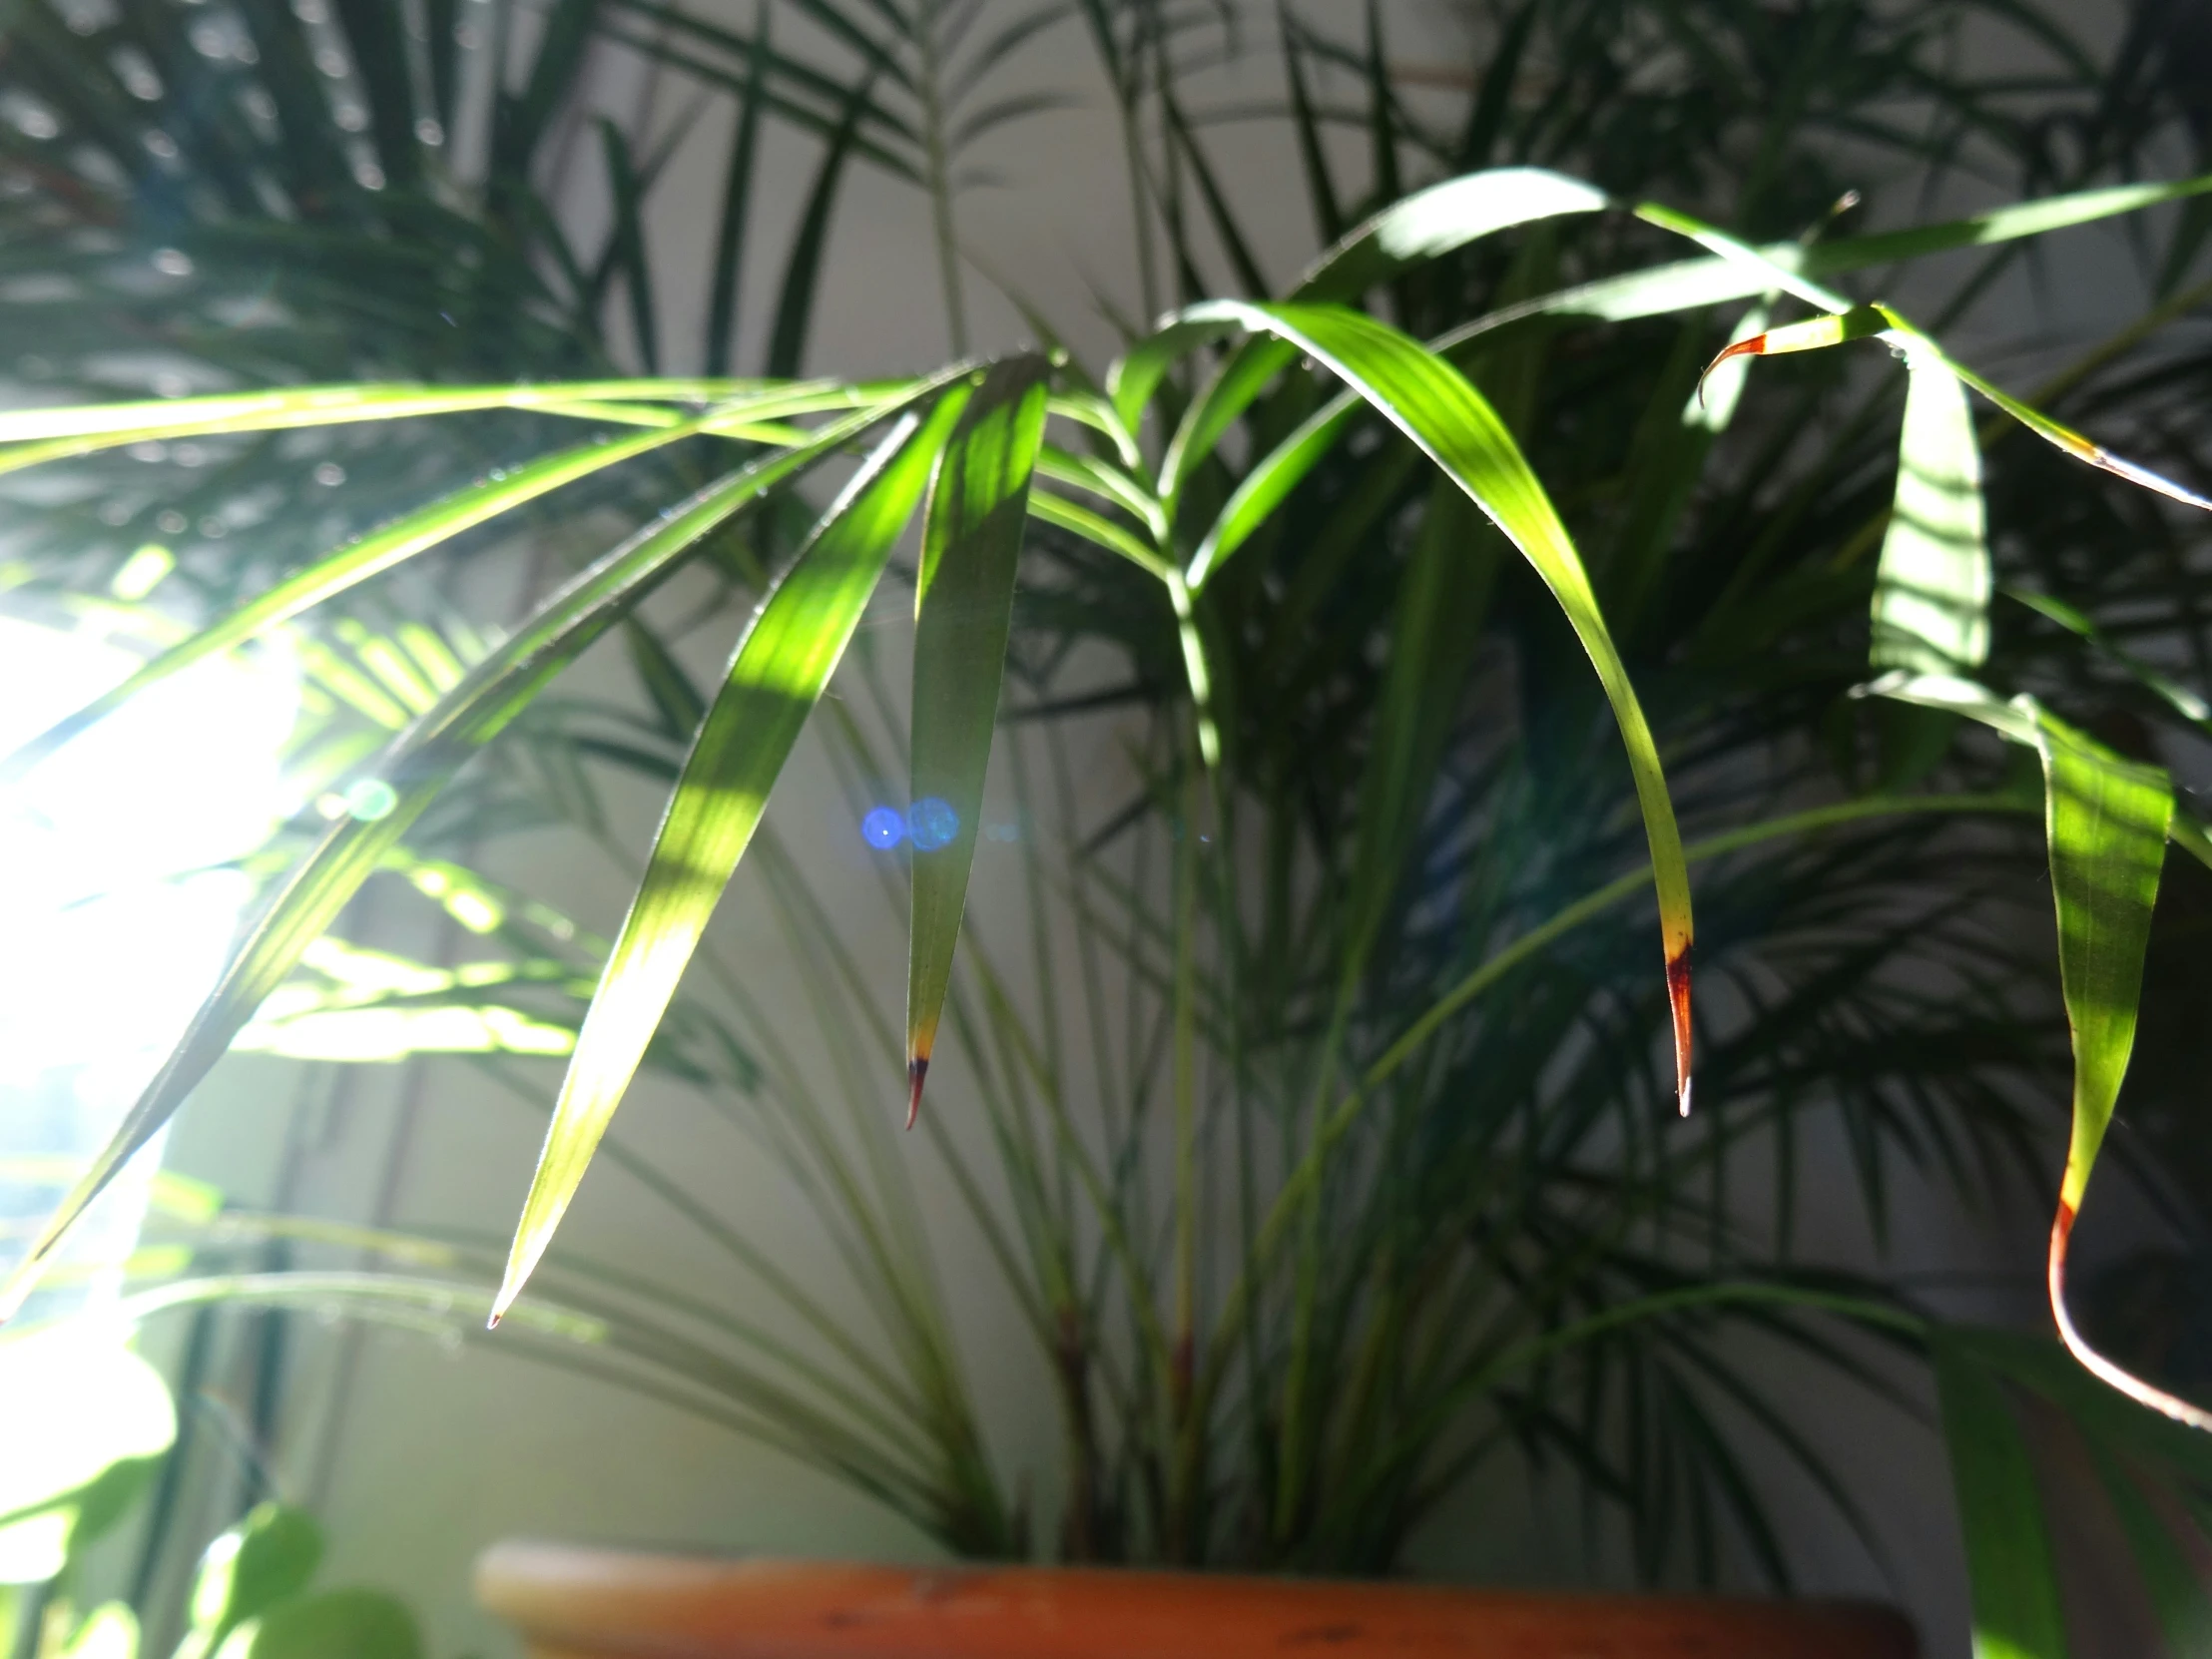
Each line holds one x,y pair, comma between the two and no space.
1264,488
776,678
1686,284
1931,588
2010,1573
1435,405
30,437
2108,820
971,542
375,553
419,765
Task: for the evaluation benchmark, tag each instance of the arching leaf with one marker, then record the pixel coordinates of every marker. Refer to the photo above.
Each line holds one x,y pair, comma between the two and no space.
1435,405
417,765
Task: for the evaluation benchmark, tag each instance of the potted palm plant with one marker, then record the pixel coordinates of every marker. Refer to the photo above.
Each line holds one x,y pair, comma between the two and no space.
1348,417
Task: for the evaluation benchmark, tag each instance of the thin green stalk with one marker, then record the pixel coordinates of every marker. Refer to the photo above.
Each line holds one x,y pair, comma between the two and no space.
937,174
1292,1196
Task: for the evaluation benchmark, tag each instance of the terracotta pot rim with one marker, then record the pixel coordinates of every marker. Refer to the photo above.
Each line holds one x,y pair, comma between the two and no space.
595,1602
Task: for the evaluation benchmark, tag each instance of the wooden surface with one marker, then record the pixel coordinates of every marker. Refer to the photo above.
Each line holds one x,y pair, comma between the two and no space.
574,1603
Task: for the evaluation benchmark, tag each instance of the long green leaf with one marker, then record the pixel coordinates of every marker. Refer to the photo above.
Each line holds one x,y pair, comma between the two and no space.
1435,406
963,609
1424,226
31,436
417,765
1686,284
2107,820
776,676
402,539
2011,1572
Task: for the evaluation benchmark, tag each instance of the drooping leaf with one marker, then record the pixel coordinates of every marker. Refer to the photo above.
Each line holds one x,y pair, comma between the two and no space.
372,554
417,767
2107,818
1931,588
776,676
2010,1573
963,609
1435,406
1424,226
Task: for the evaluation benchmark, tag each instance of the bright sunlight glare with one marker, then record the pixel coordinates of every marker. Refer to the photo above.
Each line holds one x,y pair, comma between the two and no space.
114,911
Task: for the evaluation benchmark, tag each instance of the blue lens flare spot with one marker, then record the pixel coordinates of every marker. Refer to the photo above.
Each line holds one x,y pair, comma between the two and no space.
883,829
932,823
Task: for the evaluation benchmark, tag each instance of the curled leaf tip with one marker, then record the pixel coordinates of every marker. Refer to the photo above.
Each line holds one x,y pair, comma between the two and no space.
2126,1382
1751,347
493,1324
1678,996
917,1069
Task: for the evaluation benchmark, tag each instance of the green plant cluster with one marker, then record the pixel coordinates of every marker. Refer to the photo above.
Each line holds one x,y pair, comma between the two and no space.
1351,1162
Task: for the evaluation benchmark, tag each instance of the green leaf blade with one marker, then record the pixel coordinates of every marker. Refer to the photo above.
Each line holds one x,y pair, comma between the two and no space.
1931,586
774,680
971,542
1435,405
418,765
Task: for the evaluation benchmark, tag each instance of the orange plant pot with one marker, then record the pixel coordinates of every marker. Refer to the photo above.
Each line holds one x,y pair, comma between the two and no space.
573,1603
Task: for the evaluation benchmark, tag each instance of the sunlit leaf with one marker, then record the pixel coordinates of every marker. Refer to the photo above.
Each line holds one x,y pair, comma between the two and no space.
417,768
774,680
1441,218
1435,406
1931,589
963,609
2108,820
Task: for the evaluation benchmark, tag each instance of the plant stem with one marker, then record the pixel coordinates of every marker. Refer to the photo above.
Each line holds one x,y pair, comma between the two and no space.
939,179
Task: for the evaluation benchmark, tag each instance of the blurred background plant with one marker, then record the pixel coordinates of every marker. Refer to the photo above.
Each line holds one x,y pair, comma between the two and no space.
199,198
108,1425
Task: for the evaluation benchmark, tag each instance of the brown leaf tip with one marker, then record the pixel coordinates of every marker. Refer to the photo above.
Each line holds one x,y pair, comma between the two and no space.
917,1069
1678,996
1753,346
